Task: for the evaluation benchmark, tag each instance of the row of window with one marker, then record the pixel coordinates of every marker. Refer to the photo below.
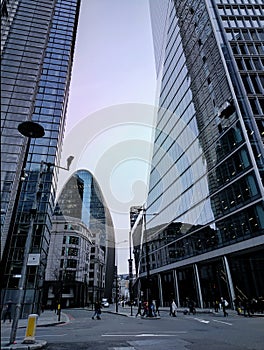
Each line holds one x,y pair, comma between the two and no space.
250,34
235,196
243,225
241,11
253,84
240,2
249,49
71,239
70,251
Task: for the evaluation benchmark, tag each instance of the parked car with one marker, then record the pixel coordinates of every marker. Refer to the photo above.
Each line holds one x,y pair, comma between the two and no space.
105,302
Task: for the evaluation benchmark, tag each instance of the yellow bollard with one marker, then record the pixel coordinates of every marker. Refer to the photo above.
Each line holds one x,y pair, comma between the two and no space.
31,329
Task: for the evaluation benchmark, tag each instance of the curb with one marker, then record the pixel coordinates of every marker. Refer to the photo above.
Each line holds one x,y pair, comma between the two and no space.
19,346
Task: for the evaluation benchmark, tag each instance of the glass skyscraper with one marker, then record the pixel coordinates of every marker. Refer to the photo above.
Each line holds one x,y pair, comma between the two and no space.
204,213
81,198
37,47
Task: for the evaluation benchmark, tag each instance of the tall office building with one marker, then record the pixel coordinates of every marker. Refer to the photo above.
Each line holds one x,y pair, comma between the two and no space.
204,214
82,199
37,47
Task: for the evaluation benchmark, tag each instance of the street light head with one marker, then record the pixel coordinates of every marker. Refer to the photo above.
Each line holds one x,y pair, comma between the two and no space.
69,161
31,129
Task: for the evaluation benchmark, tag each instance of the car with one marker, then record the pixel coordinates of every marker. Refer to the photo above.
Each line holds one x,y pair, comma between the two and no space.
105,302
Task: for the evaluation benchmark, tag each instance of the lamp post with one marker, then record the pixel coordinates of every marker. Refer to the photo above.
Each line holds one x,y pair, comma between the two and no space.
116,286
149,297
130,266
30,130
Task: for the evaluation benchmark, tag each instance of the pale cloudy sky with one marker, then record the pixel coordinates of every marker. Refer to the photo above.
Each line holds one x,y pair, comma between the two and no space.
111,106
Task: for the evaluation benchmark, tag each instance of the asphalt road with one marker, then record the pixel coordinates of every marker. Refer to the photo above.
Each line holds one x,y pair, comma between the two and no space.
115,332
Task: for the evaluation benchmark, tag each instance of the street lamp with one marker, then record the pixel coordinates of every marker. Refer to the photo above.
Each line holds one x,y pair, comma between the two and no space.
147,259
30,130
130,262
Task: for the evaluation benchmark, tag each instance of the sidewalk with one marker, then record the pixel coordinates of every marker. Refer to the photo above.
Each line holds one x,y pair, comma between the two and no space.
126,311
47,318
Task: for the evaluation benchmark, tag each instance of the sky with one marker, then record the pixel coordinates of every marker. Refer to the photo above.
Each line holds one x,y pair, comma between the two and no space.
111,107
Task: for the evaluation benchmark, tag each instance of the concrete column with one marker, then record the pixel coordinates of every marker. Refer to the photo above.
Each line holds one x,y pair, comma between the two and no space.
176,287
198,285
160,290
229,280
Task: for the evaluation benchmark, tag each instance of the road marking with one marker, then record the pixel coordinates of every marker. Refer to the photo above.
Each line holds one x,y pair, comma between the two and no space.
52,335
144,335
126,348
200,320
229,324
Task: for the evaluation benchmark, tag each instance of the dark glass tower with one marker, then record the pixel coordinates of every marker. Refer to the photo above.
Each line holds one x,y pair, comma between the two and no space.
205,214
37,49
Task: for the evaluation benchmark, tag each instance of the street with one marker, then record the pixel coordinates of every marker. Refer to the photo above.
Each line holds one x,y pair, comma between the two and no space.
192,332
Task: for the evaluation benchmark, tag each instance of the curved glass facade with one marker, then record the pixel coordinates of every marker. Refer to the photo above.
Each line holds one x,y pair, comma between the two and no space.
81,198
206,191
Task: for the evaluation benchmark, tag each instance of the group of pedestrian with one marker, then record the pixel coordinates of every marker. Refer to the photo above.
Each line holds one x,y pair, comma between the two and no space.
248,306
148,308
222,304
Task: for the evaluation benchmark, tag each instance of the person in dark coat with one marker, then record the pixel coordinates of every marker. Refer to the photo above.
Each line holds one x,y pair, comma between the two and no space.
8,309
191,306
97,310
139,308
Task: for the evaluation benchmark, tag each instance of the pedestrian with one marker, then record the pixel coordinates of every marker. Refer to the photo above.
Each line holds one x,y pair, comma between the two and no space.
173,309
97,310
139,308
246,307
224,304
237,306
191,306
152,309
145,309
7,311
216,306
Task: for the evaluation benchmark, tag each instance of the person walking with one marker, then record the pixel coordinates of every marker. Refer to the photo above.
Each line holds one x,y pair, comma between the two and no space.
145,309
246,307
97,310
224,305
173,309
139,308
216,306
7,311
191,306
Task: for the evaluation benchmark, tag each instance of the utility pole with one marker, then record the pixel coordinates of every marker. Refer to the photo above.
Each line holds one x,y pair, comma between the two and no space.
130,270
116,285
31,130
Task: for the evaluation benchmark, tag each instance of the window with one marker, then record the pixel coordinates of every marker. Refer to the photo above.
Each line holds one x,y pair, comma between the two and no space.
73,240
71,263
72,252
